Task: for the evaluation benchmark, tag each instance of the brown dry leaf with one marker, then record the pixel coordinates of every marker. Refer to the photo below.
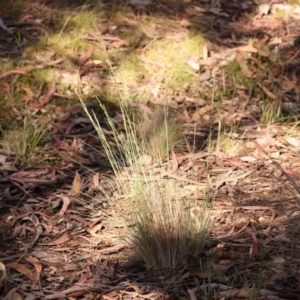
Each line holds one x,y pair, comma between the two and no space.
84,277
87,239
2,272
235,293
241,59
250,48
48,227
292,173
84,67
113,249
279,237
93,231
91,225
95,180
202,273
100,270
117,44
83,59
111,38
185,23
137,289
75,295
289,85
4,74
201,111
49,94
263,9
192,294
36,262
278,276
223,265
24,18
113,295
74,144
267,92
21,230
6,166
63,239
250,159
29,174
229,233
238,163
254,250
251,133
66,202
74,158
32,275
76,186
80,219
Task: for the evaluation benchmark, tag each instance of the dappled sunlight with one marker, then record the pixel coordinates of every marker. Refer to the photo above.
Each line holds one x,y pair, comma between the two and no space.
149,149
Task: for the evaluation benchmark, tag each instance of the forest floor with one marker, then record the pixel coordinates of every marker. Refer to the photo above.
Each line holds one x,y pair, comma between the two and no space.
229,73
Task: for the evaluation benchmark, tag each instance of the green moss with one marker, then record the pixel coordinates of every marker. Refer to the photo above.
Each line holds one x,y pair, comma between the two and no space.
167,61
46,75
79,21
131,71
194,43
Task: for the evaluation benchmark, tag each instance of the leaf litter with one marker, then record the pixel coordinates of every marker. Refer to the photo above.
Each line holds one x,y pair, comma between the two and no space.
61,237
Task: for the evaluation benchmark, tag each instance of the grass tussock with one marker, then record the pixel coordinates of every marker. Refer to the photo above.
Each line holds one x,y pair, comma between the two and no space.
161,227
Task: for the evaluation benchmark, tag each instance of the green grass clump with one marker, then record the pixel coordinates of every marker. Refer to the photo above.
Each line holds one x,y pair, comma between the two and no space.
235,75
24,139
161,227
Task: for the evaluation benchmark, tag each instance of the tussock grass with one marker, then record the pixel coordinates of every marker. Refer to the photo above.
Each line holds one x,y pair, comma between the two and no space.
161,228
